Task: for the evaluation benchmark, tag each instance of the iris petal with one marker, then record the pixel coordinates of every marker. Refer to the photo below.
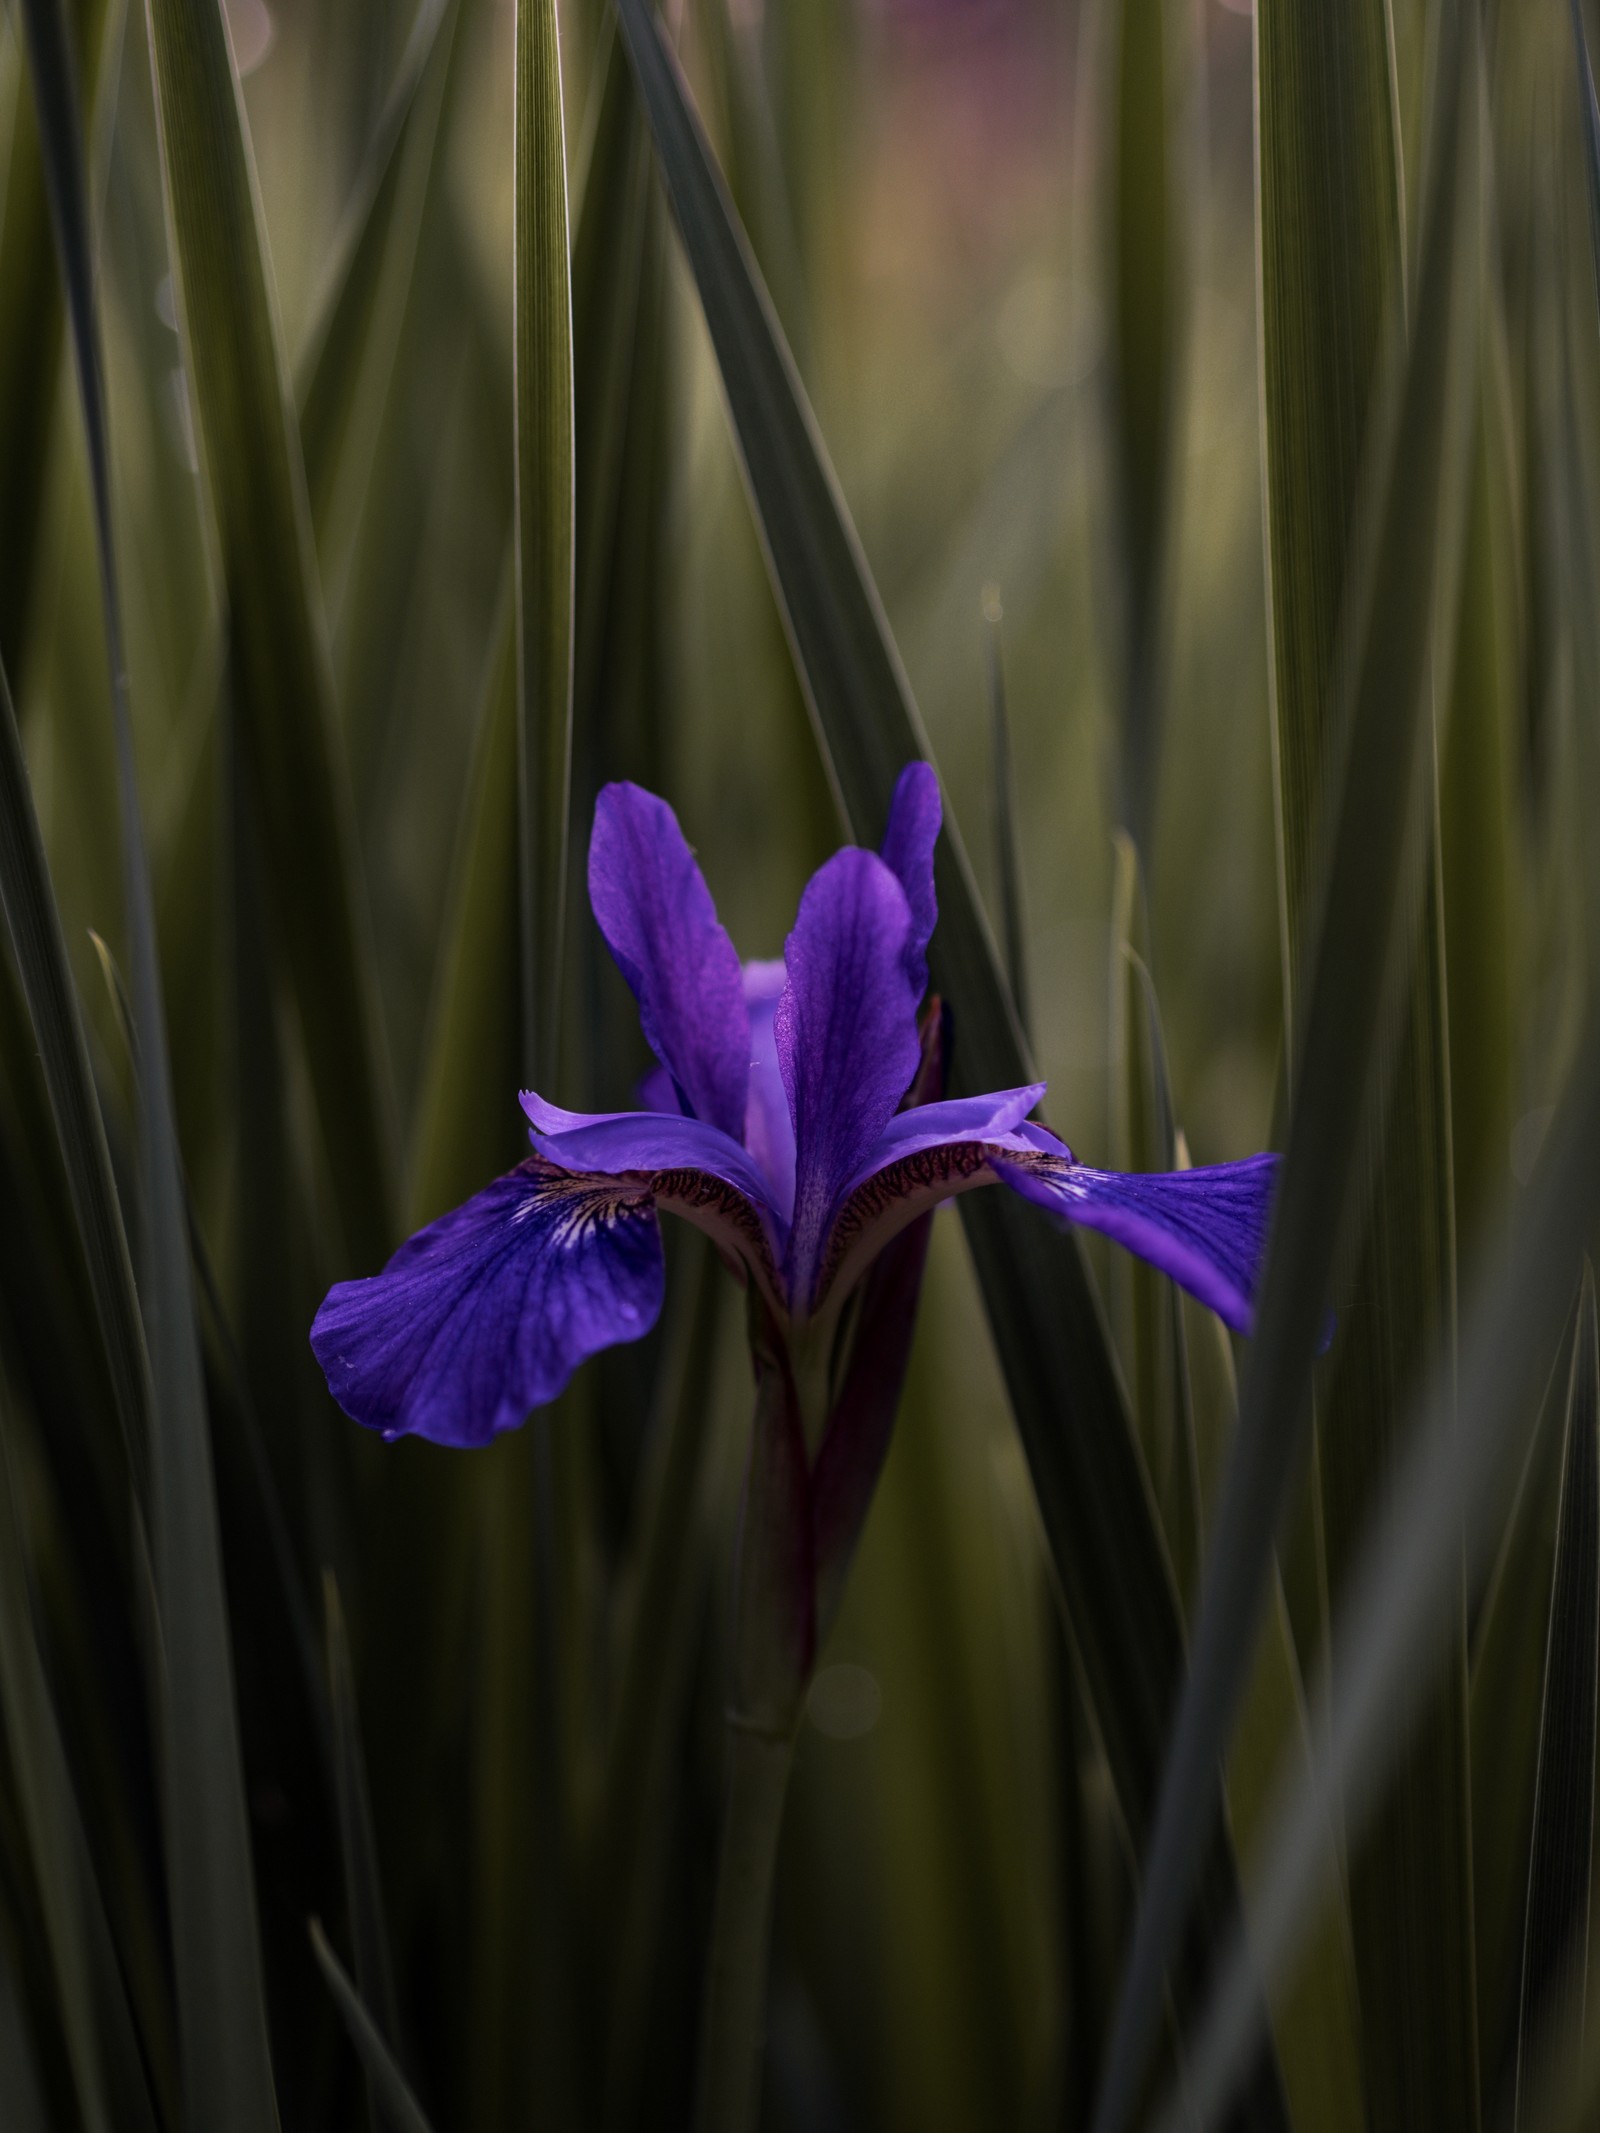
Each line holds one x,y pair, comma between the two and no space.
487,1312
1206,1229
652,904
768,1128
914,817
846,1032
616,1143
945,1124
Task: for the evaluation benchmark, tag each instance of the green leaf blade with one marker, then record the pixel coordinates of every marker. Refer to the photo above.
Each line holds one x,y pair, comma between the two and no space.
546,510
278,655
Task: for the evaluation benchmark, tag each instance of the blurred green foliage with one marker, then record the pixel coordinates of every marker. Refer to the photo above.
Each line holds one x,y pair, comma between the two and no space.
1056,346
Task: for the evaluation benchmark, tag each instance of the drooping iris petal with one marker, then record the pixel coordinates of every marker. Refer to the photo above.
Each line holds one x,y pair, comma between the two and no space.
616,1143
1206,1229
487,1312
652,904
914,816
768,1128
846,1031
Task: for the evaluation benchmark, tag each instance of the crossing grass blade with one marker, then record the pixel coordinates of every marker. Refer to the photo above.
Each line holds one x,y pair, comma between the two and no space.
1315,2017
1400,1606
227,2072
545,509
1508,1665
1555,1939
1044,1315
1371,896
254,483
400,2111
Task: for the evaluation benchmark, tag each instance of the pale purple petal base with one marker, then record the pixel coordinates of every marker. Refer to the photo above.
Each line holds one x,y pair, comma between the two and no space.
768,1127
487,1312
1206,1229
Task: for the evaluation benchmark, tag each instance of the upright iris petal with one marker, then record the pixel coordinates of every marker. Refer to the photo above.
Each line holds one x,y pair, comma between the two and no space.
654,908
914,818
846,1033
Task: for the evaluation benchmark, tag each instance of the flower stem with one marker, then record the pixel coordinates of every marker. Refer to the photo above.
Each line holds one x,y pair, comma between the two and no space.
733,2035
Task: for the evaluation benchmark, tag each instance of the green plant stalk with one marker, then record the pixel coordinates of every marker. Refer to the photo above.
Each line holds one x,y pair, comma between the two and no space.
736,1971
546,511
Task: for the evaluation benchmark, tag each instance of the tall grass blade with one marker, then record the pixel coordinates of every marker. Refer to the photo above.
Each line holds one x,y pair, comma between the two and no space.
1373,889
665,1604
1402,1600
254,483
544,549
1146,187
351,305
608,273
222,2015
1555,1940
44,1789
1477,852
41,955
544,528
472,1048
31,346
1589,107
399,2110
1331,254
21,2091
369,1931
1007,848
1045,1318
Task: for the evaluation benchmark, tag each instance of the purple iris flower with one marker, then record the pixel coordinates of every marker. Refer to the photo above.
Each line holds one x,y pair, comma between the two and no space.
789,1119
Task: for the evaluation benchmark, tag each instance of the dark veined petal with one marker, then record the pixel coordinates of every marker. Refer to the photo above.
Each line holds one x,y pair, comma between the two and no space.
487,1312
1206,1229
957,1119
914,817
692,1169
846,1032
652,904
768,1127
616,1143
